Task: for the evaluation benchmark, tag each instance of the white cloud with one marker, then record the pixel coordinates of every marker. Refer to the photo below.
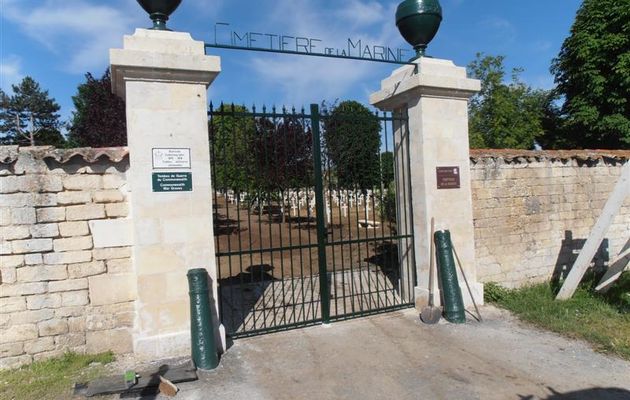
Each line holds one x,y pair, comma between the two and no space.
10,71
499,28
305,79
80,30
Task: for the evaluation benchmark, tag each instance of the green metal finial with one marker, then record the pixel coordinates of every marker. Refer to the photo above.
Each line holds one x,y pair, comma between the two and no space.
418,21
159,11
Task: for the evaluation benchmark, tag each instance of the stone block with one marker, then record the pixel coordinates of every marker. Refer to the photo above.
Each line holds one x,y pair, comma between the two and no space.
44,200
85,212
40,273
118,341
31,246
74,243
120,266
14,232
17,200
70,341
117,210
76,298
111,181
108,196
111,253
52,214
39,183
5,216
46,355
8,274
68,257
37,302
32,316
8,184
45,230
11,350
12,304
5,248
40,345
23,289
52,327
77,324
65,312
15,362
72,198
112,289
67,285
23,216
78,228
19,333
82,182
11,261
112,233
33,259
83,270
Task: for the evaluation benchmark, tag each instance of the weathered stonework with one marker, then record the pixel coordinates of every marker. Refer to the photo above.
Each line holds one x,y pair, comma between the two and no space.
48,201
533,211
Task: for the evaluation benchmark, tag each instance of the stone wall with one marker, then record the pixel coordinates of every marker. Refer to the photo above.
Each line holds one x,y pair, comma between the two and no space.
65,264
533,211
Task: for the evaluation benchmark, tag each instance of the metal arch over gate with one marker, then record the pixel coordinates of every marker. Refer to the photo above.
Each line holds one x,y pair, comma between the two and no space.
296,243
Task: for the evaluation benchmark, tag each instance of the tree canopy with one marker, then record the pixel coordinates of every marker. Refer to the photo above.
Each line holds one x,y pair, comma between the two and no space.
99,119
353,141
504,115
29,117
592,72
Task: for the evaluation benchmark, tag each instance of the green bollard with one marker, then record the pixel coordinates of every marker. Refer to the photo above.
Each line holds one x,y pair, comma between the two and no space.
204,350
454,310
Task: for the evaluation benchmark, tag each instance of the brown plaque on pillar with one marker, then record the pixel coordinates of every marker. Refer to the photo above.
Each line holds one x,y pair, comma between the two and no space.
448,178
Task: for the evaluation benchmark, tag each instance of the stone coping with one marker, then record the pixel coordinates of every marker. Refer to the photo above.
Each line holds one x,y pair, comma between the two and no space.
9,154
529,156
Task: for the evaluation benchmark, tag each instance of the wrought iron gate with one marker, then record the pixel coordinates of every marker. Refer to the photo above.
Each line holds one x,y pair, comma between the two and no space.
309,227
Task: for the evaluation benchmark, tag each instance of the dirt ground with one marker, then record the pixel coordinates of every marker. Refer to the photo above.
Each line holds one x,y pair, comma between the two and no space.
395,356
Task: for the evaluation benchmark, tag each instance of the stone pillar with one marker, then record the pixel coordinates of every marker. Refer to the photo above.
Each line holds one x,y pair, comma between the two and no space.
163,77
436,99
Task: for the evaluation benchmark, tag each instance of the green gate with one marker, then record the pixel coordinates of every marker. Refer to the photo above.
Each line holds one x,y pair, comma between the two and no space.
312,215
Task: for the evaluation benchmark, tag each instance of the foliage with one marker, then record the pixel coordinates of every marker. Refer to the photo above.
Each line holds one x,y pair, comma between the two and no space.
283,154
387,208
592,72
231,135
352,135
585,316
100,118
504,115
29,117
51,379
387,168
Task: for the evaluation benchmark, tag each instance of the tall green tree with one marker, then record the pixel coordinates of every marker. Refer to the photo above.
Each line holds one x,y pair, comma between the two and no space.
99,119
353,141
387,168
29,117
592,72
504,115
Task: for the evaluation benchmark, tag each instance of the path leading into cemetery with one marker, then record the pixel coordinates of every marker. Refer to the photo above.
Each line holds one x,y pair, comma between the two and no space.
394,356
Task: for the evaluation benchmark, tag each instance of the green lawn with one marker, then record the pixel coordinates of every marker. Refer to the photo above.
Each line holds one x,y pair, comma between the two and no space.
52,379
603,321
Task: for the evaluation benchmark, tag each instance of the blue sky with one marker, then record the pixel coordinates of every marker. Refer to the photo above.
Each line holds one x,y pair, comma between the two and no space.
58,41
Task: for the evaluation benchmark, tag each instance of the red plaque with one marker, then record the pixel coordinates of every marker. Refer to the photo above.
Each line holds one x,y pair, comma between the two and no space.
448,178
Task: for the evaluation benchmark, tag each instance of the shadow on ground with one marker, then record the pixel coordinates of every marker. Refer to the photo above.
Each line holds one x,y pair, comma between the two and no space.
588,394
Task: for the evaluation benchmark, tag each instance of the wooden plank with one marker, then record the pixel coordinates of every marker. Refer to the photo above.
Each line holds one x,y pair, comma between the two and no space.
616,268
611,209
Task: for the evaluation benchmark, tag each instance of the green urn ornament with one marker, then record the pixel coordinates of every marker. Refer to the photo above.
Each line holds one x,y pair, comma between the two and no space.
418,21
159,11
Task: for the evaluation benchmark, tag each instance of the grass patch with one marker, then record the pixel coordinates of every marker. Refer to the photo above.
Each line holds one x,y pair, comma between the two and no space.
603,321
52,379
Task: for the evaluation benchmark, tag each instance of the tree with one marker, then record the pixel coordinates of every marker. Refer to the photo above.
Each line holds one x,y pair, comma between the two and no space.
353,141
99,119
231,133
504,115
29,117
592,72
387,168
